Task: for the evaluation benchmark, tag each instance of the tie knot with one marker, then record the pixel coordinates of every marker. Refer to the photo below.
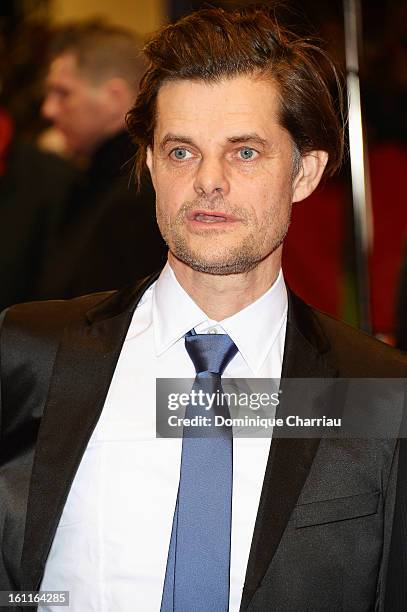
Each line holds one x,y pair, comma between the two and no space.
210,352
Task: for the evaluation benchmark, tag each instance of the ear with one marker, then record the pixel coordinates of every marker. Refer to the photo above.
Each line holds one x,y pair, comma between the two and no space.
310,173
119,94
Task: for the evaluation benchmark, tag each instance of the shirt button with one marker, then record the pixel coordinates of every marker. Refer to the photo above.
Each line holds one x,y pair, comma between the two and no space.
212,330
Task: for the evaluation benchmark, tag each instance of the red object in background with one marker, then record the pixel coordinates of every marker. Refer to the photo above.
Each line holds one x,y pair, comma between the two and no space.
313,252
312,255
6,134
388,170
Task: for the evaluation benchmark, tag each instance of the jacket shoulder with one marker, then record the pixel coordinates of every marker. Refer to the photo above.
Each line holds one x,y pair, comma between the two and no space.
356,354
49,317
53,313
30,335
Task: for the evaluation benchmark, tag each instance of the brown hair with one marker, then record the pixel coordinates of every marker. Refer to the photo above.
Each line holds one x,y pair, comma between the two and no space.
212,44
102,50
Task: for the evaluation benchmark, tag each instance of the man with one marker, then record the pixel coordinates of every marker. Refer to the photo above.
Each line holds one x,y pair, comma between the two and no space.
228,120
107,233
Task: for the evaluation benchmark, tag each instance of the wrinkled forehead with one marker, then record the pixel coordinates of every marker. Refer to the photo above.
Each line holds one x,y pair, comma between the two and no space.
214,110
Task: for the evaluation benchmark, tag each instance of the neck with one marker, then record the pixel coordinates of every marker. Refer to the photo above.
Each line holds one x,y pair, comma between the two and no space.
223,296
111,129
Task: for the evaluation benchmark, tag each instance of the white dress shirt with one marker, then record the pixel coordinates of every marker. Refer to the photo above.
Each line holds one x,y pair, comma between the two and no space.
111,545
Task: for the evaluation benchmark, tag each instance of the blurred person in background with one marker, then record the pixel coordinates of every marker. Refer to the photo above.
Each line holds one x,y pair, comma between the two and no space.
107,236
33,184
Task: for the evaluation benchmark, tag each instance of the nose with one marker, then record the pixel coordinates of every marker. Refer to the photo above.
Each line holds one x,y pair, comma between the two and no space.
49,108
210,179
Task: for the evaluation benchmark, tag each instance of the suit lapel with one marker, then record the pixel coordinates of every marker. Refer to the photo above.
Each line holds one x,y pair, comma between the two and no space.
289,459
83,370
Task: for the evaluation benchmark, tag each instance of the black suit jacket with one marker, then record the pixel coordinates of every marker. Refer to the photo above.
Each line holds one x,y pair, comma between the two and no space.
396,592
324,521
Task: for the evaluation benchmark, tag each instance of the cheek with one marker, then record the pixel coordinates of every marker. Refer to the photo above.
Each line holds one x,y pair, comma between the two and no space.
170,174
172,184
163,191
88,112
80,118
254,195
166,203
271,204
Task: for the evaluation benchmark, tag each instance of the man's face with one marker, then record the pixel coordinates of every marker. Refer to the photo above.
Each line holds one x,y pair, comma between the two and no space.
222,168
75,105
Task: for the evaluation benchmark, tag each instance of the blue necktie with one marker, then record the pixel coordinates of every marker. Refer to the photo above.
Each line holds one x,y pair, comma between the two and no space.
198,565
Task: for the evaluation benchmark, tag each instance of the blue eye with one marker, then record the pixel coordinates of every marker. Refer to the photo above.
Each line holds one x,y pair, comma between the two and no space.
179,154
247,153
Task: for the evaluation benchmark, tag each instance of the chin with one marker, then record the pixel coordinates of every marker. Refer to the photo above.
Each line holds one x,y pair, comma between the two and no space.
223,269
219,266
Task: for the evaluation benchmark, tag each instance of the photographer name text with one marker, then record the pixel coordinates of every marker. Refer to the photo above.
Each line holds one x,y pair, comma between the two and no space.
255,421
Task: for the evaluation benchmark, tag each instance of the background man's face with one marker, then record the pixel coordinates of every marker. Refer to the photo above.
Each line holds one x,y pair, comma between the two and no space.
222,169
75,105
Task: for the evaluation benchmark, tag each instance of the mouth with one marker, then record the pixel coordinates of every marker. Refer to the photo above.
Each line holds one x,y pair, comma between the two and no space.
206,217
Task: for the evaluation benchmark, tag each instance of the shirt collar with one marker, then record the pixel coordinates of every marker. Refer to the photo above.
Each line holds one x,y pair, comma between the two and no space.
253,329
174,311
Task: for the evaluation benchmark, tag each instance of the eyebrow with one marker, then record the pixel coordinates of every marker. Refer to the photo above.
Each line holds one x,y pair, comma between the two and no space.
252,137
240,139
175,138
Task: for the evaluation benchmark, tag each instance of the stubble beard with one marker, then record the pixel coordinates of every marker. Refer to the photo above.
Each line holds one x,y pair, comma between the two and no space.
243,257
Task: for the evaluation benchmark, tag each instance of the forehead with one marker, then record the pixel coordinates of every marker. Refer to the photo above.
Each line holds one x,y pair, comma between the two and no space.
242,104
65,67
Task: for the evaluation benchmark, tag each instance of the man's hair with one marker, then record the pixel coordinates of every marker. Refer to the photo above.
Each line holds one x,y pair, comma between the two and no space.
102,50
212,44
